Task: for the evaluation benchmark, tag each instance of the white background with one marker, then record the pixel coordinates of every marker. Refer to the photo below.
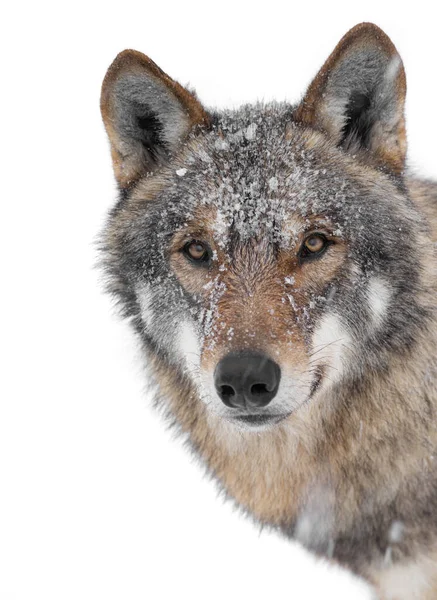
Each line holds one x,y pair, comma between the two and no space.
97,500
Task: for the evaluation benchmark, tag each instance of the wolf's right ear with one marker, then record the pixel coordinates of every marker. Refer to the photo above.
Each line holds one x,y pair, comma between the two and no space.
146,114
358,98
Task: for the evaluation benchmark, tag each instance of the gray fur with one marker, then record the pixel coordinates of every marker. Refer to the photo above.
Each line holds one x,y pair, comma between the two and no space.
257,168
138,97
371,74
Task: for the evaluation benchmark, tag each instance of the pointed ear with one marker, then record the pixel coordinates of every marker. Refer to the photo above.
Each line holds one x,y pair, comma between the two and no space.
146,114
358,97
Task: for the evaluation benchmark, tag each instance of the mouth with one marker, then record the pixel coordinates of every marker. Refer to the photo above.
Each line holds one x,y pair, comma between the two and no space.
257,421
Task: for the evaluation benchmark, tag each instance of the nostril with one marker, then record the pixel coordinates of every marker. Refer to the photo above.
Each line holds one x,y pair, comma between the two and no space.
229,396
227,391
259,389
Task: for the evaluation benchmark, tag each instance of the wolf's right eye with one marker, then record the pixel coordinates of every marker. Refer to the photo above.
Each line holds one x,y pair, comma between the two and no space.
196,251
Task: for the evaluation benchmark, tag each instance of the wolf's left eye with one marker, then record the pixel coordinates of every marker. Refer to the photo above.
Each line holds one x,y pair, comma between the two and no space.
314,245
196,251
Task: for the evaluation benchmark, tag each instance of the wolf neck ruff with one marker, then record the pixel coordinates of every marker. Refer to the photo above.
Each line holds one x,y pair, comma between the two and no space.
278,264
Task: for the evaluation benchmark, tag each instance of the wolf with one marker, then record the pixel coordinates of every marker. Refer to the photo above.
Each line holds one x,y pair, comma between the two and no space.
278,264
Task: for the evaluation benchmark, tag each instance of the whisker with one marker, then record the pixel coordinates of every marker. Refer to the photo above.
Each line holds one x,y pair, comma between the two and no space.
325,346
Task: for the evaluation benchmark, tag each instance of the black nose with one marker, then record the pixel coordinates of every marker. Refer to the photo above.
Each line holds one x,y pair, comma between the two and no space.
247,380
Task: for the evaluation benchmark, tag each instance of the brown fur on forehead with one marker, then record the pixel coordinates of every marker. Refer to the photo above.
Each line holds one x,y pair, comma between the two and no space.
295,224
200,225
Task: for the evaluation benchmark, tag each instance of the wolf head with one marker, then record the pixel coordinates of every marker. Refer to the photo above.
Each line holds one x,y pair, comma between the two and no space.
269,254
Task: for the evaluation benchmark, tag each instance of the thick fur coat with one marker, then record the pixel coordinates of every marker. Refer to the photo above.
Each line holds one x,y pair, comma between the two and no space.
296,234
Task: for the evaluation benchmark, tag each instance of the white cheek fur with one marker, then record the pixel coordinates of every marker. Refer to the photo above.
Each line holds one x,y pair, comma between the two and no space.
331,342
378,298
188,347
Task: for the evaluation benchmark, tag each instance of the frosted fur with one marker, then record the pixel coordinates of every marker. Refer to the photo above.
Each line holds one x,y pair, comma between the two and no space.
342,456
242,199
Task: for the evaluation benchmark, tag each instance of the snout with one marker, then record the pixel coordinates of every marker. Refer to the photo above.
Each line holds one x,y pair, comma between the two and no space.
247,380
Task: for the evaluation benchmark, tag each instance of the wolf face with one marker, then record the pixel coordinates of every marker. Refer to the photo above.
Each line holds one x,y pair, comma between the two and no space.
267,254
279,267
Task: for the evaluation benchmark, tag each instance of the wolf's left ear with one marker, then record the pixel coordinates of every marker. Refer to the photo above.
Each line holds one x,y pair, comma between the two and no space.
146,114
358,97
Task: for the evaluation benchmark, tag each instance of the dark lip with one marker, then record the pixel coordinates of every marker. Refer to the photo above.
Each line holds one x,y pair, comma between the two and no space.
260,419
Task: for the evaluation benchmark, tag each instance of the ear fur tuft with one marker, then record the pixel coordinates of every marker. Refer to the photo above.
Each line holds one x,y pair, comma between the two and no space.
358,98
147,115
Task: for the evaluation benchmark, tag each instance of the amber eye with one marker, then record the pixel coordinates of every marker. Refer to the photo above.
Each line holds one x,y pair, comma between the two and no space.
196,251
315,244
